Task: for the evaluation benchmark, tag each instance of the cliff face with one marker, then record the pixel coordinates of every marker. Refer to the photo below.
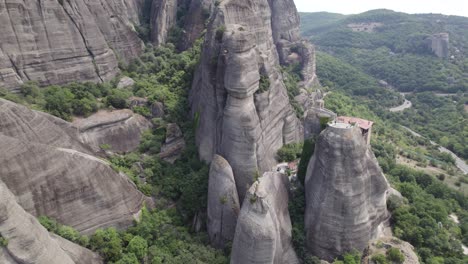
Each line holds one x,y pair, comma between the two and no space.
263,232
237,120
345,194
52,173
29,241
55,43
223,203
163,18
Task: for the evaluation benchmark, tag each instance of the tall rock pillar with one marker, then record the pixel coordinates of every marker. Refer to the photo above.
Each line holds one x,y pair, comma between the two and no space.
345,193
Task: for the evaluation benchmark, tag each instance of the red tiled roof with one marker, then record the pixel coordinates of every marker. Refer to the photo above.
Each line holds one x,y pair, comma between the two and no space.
362,123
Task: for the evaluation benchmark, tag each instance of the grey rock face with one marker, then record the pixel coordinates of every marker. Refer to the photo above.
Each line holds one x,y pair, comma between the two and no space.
244,126
163,18
439,44
125,82
198,13
345,194
120,129
263,232
223,203
29,241
174,144
52,43
157,110
52,173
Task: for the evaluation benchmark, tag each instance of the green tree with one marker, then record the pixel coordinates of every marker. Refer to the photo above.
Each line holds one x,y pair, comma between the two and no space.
138,246
395,255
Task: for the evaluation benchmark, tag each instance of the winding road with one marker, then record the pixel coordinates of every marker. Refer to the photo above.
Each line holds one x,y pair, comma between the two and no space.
460,163
406,104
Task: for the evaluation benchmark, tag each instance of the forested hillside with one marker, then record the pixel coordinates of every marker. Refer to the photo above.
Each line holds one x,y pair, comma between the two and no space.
392,51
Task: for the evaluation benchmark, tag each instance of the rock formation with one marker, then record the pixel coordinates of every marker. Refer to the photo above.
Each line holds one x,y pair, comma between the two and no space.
263,232
56,42
174,144
235,119
195,21
345,193
380,246
52,173
163,19
121,130
29,241
125,82
439,44
223,203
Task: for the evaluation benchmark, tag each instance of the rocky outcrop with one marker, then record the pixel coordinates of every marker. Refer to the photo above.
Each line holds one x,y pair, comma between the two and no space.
381,245
439,44
125,82
263,232
119,130
56,42
345,193
29,241
236,120
52,173
174,144
223,203
163,19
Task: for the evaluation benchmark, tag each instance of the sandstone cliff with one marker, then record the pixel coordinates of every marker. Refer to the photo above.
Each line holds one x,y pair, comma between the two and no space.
29,241
237,120
223,203
263,232
345,193
163,18
56,42
52,173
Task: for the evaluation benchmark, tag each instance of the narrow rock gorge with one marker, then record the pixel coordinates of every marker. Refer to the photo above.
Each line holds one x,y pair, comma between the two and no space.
346,193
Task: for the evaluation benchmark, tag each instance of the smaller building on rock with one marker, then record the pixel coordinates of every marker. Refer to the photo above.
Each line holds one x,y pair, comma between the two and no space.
364,125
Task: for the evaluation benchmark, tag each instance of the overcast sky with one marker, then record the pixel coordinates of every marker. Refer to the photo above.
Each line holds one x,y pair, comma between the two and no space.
446,7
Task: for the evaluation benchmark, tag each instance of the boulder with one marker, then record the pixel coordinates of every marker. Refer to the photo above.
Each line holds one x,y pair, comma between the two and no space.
263,232
125,82
346,193
174,144
223,203
157,110
119,130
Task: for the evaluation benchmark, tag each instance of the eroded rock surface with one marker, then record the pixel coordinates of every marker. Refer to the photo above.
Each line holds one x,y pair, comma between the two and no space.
120,130
236,120
52,173
174,144
56,42
29,241
163,19
263,232
223,203
345,194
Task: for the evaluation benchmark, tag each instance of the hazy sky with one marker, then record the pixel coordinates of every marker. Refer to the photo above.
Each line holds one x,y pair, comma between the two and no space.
446,7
